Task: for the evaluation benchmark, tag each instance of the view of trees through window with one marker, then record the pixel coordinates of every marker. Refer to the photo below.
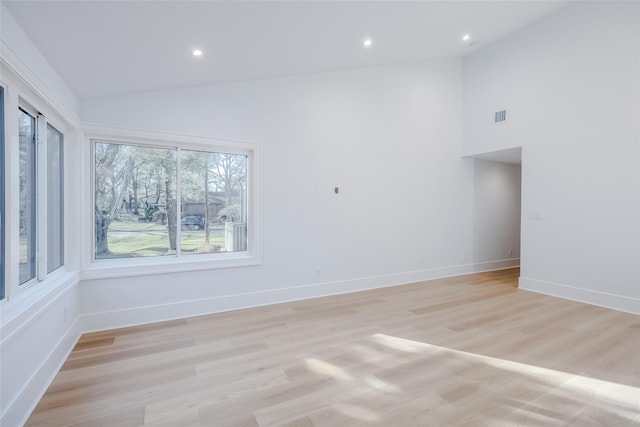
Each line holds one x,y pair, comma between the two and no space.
138,201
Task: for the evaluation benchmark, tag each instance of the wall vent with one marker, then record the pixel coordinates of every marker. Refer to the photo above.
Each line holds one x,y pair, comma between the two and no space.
500,116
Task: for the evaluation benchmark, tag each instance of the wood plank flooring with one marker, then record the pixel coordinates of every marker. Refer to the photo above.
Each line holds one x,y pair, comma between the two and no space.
464,351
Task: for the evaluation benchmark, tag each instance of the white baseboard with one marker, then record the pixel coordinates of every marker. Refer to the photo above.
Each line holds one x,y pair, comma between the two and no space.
158,313
18,410
615,302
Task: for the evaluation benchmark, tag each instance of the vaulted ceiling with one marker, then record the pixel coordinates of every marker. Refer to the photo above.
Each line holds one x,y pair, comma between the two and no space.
103,48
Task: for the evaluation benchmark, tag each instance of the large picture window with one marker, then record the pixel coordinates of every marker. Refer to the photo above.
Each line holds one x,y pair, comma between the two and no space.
157,201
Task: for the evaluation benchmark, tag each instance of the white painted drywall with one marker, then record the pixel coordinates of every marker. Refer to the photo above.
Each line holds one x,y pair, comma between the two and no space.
19,53
496,212
38,325
570,85
389,137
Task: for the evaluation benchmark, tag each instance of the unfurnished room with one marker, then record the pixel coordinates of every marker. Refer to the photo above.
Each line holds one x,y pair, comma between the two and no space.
319,213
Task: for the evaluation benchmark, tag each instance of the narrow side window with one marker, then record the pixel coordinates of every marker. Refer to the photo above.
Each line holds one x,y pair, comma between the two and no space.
2,169
55,199
27,195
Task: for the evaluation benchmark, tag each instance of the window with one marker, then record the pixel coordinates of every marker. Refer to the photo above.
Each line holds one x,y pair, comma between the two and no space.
159,201
32,199
55,199
27,196
41,197
134,201
2,169
213,189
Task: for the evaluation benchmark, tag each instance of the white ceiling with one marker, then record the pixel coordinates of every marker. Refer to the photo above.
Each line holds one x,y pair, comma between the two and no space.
103,48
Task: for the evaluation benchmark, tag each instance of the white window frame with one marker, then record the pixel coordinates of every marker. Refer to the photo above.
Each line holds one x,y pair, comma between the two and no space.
18,96
41,201
25,107
45,154
124,267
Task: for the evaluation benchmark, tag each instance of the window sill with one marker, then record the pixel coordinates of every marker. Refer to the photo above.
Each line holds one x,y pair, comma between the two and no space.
115,268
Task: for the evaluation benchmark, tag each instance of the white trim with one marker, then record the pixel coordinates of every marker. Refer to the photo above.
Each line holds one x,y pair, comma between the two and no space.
150,314
26,306
141,136
108,268
20,95
24,311
601,299
18,410
35,100
126,267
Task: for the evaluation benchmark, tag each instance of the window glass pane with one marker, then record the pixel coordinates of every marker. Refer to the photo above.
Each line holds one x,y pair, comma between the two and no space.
135,201
55,200
214,198
27,175
2,250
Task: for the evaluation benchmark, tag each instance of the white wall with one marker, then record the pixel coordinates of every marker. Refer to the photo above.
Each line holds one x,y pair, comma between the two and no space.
19,53
389,137
39,325
409,207
496,212
570,85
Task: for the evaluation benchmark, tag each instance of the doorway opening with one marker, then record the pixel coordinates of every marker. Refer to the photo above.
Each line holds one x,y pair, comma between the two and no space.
497,208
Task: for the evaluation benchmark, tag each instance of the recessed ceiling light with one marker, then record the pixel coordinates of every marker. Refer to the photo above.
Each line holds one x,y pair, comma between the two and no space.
466,37
197,52
367,42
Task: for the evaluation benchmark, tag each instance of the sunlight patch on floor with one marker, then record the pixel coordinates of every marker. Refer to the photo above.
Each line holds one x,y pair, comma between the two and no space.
620,399
325,368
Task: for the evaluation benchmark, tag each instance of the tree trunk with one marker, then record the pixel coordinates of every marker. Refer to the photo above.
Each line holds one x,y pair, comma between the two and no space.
171,216
207,231
103,217
134,184
102,227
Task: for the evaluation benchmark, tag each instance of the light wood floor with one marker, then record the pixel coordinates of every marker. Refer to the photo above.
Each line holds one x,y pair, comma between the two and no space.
463,351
